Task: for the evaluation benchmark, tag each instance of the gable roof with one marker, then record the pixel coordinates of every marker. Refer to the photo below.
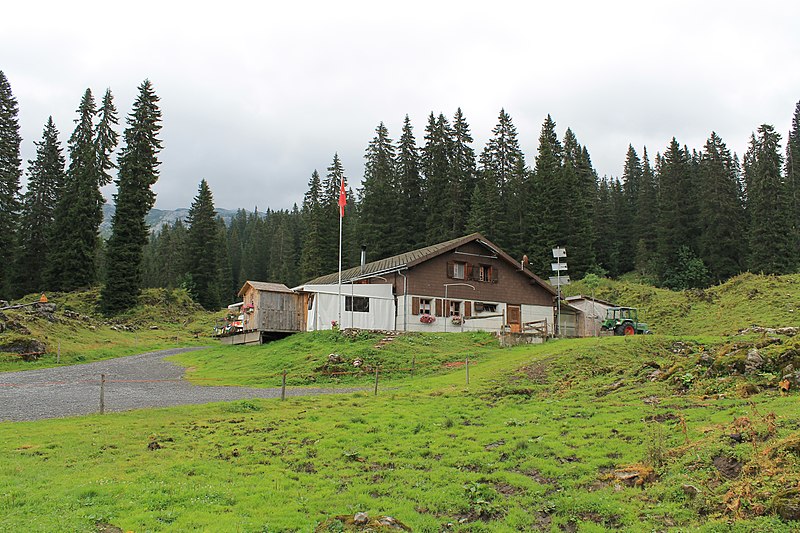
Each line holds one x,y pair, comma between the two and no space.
584,297
264,286
407,260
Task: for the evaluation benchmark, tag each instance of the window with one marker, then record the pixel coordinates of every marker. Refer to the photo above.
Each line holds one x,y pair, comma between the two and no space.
424,306
459,270
455,308
484,272
483,307
358,304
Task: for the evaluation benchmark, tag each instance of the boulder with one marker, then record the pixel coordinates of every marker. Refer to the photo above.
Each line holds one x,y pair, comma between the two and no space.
29,349
787,504
360,519
754,362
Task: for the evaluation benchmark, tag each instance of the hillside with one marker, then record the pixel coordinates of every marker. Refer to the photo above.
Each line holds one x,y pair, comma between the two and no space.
686,432
76,331
742,301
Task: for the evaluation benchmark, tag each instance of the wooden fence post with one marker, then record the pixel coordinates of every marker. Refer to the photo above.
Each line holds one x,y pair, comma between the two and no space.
58,354
283,386
413,364
102,393
466,366
376,381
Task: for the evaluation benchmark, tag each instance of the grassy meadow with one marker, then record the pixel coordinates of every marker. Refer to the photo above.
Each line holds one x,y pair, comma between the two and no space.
666,432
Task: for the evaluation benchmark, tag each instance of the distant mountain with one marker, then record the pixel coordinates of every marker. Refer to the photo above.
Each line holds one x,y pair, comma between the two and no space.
158,217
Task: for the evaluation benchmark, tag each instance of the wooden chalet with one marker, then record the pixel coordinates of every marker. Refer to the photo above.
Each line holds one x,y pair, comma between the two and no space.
464,284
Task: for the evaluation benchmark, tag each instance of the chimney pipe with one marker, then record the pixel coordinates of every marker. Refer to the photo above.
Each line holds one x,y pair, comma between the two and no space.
363,257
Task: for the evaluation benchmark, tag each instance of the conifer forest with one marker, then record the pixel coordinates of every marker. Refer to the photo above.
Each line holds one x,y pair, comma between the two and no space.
679,216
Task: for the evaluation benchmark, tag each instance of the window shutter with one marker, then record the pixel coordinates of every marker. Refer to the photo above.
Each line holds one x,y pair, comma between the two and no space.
467,309
450,269
438,307
468,271
414,305
495,275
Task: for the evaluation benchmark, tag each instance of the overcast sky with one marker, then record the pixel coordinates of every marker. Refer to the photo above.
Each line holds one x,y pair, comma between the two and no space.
255,96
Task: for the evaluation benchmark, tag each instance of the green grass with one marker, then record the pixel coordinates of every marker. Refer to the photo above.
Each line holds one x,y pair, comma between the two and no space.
742,301
163,319
305,357
586,434
532,442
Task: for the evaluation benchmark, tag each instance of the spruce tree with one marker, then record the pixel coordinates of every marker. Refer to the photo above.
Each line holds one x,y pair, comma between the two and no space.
677,212
721,211
576,223
792,172
311,261
435,158
543,208
138,172
72,262
768,205
463,173
10,173
411,219
502,166
378,199
46,178
645,220
203,250
329,252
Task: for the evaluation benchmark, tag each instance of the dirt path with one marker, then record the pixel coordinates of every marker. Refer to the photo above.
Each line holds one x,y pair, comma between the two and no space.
135,382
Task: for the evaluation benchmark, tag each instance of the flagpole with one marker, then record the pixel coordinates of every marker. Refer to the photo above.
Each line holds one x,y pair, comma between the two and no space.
340,270
342,203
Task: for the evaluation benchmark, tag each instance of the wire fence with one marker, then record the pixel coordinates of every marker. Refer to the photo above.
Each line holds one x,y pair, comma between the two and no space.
373,373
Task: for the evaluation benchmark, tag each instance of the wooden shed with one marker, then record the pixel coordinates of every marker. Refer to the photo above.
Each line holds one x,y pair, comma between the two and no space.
269,310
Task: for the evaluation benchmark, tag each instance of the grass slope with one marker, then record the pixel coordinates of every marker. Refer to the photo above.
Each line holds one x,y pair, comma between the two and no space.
569,435
163,319
742,301
653,433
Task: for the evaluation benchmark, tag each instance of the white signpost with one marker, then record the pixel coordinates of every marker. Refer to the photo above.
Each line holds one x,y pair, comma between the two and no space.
558,280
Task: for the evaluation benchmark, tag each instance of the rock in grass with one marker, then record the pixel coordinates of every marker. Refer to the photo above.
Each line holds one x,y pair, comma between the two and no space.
360,519
787,504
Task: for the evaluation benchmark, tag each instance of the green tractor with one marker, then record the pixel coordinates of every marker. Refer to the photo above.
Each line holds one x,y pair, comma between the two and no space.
624,321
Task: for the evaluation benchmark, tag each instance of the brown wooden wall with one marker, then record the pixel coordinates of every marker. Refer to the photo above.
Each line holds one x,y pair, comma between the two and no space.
280,311
511,285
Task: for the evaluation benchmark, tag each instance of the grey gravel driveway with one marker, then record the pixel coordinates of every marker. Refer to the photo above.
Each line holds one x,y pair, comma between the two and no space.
135,382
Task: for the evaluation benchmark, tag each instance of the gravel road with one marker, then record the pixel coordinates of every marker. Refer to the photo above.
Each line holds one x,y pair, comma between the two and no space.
135,382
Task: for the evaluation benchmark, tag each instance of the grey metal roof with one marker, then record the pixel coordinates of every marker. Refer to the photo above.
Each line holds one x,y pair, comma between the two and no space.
409,259
389,264
264,286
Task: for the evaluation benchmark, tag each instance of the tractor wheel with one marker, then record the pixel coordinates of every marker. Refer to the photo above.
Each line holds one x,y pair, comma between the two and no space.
619,330
628,329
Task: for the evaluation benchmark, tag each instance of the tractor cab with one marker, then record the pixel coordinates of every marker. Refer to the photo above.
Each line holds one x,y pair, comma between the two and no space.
624,321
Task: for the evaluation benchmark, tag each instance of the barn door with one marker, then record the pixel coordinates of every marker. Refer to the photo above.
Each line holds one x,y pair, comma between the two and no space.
513,318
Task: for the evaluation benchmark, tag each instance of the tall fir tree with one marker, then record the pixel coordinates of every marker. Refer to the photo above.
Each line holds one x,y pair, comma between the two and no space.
576,224
203,250
677,211
435,159
72,263
138,172
10,174
378,198
543,211
46,176
411,217
720,211
632,177
645,221
311,261
463,173
792,172
771,245
502,167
